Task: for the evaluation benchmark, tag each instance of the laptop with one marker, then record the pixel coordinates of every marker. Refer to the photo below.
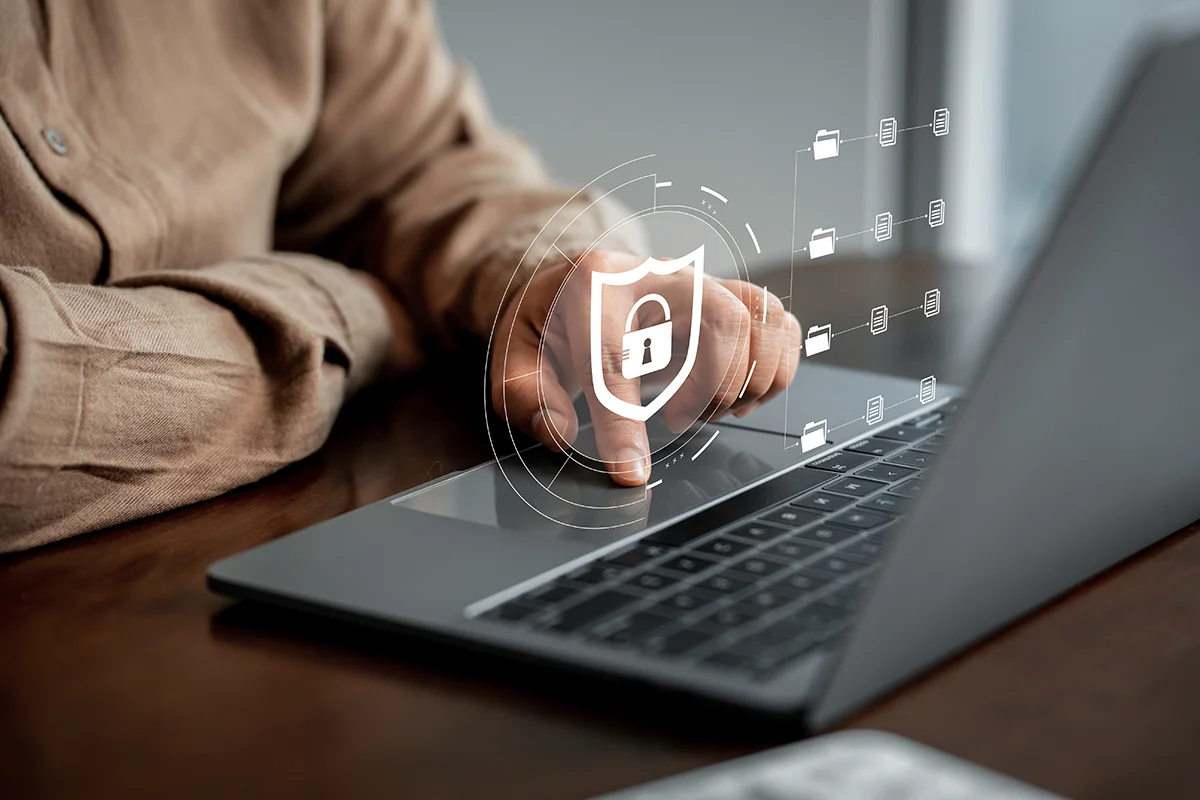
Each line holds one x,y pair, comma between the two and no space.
807,583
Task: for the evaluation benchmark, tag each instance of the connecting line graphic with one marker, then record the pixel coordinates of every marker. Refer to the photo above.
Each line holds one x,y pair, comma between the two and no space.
916,127
860,138
564,255
906,311
911,219
902,402
856,327
856,233
560,469
844,424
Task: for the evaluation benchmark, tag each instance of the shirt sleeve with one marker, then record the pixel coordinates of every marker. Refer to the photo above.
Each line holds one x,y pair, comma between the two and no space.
121,401
406,175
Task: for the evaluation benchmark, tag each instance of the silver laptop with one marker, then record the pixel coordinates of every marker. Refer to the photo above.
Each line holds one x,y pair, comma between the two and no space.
807,583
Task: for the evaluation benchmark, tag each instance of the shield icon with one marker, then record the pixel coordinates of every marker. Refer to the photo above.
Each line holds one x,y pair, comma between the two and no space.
647,267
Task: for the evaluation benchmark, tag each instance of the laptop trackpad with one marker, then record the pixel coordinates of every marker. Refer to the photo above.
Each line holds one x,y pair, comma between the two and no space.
568,498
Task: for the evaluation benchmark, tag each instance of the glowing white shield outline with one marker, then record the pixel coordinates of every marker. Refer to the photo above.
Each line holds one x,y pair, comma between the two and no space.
650,265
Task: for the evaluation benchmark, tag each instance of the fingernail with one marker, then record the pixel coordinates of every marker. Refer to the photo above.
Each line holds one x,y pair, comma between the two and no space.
632,463
550,426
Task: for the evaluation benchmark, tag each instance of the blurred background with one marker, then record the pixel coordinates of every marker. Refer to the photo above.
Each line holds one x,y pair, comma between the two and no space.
726,93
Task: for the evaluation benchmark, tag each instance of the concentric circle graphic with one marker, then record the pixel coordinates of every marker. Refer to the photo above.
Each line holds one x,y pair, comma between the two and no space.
550,492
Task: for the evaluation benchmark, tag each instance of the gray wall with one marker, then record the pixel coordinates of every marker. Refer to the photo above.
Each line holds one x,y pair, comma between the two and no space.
723,93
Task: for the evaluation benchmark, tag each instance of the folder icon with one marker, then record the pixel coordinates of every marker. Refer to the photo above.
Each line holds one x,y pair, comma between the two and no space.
818,340
826,144
822,242
813,436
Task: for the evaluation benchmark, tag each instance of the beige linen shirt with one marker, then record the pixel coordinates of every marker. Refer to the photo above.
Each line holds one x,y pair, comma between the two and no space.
190,194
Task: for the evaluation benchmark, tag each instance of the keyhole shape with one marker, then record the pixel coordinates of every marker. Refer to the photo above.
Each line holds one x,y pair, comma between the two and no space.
646,352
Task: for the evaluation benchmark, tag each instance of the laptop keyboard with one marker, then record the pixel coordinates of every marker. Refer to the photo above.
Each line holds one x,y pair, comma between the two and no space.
753,597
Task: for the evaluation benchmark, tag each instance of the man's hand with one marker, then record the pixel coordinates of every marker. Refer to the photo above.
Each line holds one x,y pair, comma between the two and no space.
542,356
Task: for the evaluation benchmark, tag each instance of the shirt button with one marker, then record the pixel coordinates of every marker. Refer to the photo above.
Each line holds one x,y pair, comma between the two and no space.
57,142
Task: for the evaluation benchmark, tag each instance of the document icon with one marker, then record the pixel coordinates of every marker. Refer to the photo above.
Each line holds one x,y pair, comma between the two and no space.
821,243
937,212
879,316
933,302
928,389
941,122
883,226
875,409
813,436
887,131
818,340
826,144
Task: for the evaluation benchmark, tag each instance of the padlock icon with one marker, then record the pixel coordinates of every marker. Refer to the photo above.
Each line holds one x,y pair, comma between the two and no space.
648,349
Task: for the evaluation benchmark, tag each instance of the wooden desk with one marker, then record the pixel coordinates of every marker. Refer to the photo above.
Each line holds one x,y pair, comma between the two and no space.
121,675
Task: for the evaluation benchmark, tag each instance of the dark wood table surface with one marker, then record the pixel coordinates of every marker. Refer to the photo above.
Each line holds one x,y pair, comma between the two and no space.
122,675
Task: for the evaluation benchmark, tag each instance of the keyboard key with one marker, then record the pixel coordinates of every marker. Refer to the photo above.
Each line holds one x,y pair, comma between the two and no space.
680,642
651,581
680,533
845,598
550,593
723,547
756,643
689,563
885,472
512,611
595,573
638,554
887,503
757,567
903,433
758,532
684,602
875,447
913,458
841,461
587,612
792,517
822,501
930,421
910,489
767,598
867,549
860,520
799,583
816,616
934,444
834,564
731,617
723,583
631,629
856,486
793,549
823,534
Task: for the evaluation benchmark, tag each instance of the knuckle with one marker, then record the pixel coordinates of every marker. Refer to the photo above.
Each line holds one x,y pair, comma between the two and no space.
611,358
727,315
776,314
